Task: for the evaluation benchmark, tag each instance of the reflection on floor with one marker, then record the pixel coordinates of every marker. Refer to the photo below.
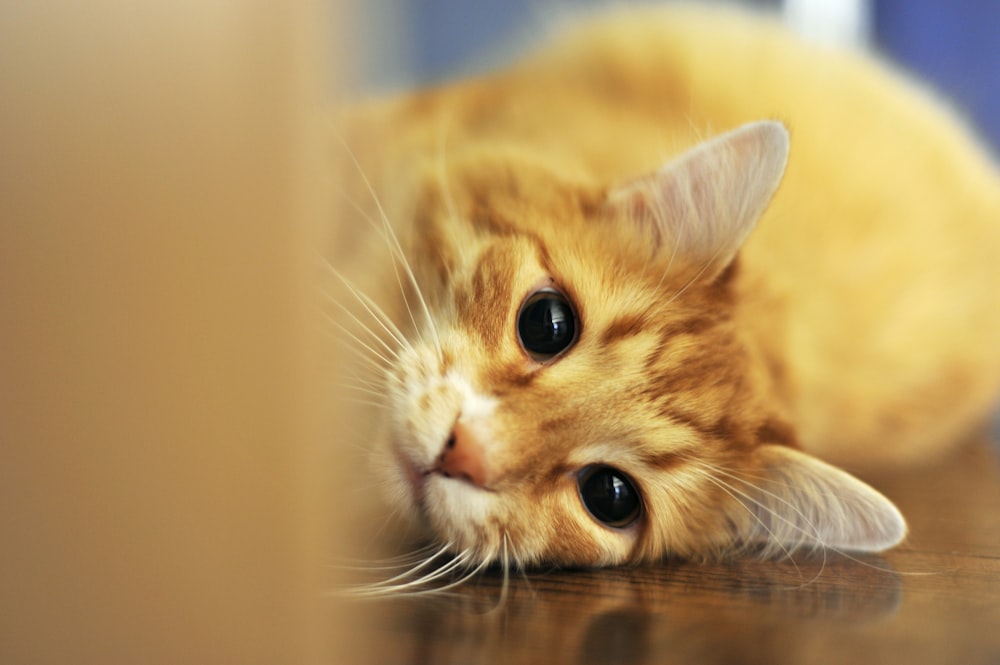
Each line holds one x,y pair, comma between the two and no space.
934,599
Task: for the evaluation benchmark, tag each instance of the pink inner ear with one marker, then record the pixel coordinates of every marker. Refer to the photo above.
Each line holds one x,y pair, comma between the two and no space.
806,502
704,204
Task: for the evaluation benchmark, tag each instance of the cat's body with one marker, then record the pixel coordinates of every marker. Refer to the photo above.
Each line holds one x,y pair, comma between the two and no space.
858,321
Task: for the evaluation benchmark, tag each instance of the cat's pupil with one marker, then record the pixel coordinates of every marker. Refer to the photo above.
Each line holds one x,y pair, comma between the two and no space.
546,325
609,495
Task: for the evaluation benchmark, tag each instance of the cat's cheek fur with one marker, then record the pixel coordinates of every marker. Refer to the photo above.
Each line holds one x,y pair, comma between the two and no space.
684,516
560,532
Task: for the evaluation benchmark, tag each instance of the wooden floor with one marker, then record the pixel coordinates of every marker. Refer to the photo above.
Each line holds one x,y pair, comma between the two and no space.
935,599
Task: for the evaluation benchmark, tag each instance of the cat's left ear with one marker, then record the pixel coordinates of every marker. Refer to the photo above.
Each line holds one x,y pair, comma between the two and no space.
702,206
801,501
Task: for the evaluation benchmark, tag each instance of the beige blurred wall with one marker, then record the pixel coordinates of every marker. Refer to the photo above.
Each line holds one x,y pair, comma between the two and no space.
162,494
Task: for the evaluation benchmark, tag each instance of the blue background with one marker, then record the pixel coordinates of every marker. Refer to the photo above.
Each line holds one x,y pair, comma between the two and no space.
952,44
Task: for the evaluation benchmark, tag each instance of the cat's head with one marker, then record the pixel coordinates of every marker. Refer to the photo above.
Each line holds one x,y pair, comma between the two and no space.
576,391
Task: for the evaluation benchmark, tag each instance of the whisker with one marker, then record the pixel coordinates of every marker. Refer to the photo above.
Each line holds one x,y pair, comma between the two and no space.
413,582
460,581
376,382
434,576
385,233
736,494
360,209
424,564
823,547
407,561
840,552
375,360
363,326
409,578
376,354
365,390
377,313
358,382
364,402
396,248
814,533
359,355
505,562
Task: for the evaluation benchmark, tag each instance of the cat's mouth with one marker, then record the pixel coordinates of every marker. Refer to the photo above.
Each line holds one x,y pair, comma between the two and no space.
415,477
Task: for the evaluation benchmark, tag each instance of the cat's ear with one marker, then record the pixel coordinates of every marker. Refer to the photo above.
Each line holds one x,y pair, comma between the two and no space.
702,206
800,501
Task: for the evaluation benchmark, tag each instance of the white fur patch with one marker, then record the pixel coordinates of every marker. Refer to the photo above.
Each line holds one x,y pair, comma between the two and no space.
475,405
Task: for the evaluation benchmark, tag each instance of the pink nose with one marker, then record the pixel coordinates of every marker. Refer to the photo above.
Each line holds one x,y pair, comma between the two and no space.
462,457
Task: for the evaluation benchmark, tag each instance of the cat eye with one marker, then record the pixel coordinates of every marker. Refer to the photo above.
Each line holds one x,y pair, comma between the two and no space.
609,495
546,325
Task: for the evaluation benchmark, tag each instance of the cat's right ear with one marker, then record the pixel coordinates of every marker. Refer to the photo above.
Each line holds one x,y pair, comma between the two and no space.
702,206
796,500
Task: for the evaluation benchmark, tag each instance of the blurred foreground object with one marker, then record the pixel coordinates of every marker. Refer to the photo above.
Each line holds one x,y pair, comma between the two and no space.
158,484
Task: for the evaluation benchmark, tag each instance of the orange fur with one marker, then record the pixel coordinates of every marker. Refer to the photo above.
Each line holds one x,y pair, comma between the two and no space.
728,339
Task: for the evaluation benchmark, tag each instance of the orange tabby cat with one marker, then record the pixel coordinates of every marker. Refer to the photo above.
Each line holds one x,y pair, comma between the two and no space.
652,276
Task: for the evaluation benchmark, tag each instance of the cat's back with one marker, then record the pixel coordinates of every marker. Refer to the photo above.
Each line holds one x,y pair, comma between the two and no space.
871,286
